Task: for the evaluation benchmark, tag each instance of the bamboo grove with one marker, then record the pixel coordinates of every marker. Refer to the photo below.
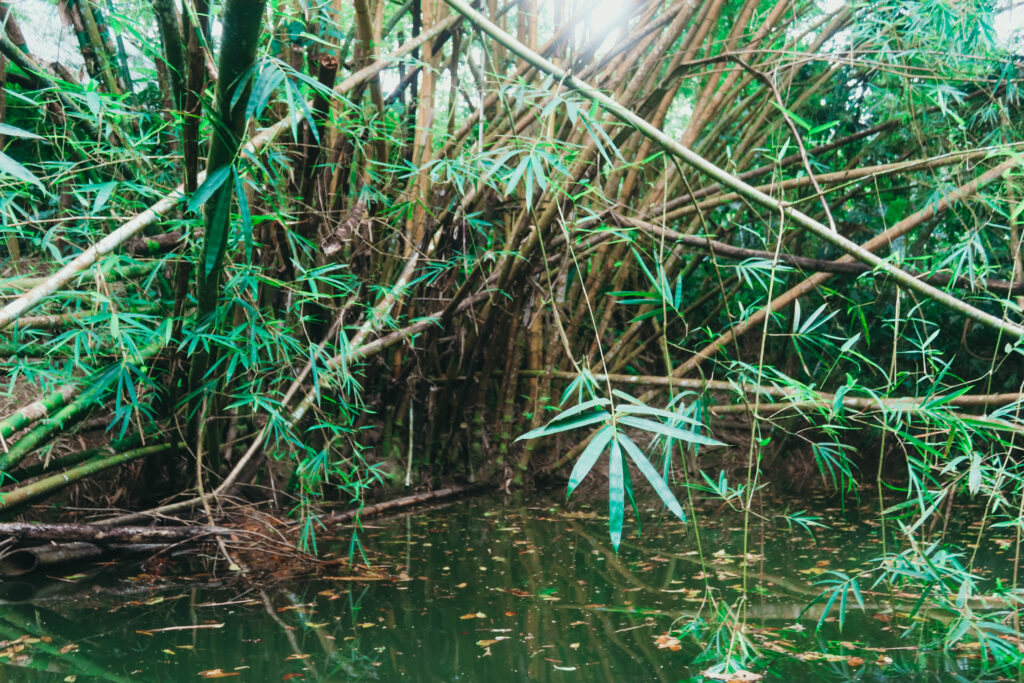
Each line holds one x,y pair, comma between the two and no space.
313,250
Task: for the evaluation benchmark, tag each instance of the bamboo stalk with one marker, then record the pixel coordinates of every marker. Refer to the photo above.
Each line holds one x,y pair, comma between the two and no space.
43,487
90,256
727,179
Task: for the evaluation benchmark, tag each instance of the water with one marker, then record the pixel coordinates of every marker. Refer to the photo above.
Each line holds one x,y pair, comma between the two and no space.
485,590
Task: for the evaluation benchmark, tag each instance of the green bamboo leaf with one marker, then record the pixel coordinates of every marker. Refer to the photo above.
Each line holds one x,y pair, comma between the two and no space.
575,410
554,427
12,167
828,606
218,227
616,496
974,474
8,130
657,412
589,456
580,407
210,185
796,119
645,467
671,432
842,607
243,210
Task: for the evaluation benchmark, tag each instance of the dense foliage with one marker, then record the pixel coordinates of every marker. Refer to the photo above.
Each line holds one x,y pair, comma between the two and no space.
319,249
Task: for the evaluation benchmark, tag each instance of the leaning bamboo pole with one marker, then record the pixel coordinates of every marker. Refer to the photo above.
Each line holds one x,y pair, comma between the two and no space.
44,487
781,208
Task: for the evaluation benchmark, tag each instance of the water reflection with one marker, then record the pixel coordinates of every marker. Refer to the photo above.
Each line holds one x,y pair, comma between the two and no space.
483,590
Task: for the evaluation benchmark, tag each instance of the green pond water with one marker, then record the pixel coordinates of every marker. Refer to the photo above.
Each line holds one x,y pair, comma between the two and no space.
490,590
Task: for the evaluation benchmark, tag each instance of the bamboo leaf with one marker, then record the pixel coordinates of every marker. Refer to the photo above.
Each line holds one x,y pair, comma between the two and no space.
243,210
210,185
13,168
616,496
7,130
974,474
647,469
554,427
670,432
656,412
589,456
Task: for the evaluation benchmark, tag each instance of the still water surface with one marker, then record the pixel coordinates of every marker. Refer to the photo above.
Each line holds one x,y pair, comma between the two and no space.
485,590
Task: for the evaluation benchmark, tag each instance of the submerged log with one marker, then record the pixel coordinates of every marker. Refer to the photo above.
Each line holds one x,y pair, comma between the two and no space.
107,534
27,560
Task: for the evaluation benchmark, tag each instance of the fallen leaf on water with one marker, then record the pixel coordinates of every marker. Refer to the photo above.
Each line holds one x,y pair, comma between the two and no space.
740,676
218,673
667,642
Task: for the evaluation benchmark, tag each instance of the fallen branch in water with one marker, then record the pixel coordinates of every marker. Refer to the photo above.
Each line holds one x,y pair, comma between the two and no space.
24,531
398,503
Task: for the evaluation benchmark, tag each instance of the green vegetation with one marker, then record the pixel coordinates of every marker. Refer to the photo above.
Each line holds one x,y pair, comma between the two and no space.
317,253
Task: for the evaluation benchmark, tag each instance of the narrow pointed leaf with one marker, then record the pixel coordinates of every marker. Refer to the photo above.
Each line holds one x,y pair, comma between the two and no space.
565,425
12,167
589,457
616,496
647,469
210,185
666,430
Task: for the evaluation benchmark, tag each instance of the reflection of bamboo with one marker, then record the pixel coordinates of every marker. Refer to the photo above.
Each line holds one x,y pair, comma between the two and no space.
289,633
612,560
547,573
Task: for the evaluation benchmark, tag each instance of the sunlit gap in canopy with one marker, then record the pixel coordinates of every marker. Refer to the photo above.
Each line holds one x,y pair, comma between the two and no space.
597,22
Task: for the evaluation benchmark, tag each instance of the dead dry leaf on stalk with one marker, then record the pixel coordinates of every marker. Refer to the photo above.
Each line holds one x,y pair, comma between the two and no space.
740,676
